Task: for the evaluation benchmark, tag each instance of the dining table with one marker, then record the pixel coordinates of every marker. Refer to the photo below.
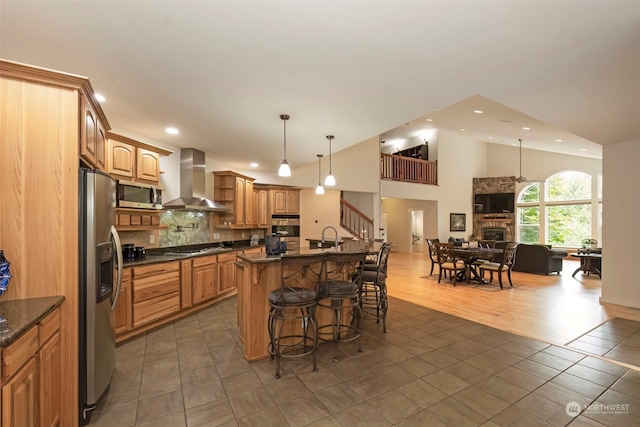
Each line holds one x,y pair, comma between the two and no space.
471,256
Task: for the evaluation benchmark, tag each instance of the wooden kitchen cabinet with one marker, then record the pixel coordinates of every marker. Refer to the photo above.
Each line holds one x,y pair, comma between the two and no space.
92,134
226,273
121,316
186,283
204,277
155,291
285,201
234,191
261,206
133,160
32,377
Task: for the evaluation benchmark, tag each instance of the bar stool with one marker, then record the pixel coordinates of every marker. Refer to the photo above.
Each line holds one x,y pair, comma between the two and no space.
373,287
292,309
339,291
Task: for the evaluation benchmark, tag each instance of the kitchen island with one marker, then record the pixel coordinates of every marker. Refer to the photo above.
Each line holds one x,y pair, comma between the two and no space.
259,274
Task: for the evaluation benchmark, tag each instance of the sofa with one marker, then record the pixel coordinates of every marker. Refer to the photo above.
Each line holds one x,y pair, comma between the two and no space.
538,259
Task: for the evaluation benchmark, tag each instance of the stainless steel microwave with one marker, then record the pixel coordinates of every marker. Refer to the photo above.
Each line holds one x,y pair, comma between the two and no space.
138,195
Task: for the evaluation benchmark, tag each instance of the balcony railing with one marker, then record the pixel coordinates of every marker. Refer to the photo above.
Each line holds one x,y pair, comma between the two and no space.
408,169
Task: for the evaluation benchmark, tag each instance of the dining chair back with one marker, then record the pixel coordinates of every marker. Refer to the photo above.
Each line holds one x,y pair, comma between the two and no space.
433,253
506,263
448,261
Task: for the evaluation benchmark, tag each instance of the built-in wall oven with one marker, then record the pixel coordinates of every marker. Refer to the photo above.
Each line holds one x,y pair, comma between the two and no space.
288,226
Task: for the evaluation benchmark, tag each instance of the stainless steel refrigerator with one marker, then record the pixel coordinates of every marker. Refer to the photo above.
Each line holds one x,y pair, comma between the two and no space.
100,256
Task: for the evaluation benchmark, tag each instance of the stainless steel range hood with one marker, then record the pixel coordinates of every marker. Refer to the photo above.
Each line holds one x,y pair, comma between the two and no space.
192,179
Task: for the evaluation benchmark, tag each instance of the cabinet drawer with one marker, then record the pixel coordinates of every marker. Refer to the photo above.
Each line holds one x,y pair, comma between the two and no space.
231,256
204,260
155,308
155,286
16,354
153,269
48,326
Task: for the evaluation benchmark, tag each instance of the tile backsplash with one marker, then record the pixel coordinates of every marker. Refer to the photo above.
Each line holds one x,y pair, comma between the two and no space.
186,228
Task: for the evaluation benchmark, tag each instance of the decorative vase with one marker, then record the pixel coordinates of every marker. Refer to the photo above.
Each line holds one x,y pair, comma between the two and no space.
5,274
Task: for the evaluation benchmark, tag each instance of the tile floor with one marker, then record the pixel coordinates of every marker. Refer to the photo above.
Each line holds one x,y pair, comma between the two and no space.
430,368
617,339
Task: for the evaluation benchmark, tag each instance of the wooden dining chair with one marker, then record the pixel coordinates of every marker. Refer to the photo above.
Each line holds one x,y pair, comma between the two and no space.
448,262
508,259
433,253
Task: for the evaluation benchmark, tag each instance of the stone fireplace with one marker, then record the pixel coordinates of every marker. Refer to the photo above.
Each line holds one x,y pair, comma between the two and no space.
496,226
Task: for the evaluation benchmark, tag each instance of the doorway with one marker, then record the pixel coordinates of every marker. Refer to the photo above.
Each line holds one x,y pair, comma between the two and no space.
417,230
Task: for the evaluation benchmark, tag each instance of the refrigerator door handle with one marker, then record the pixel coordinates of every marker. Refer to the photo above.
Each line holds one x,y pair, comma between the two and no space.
116,239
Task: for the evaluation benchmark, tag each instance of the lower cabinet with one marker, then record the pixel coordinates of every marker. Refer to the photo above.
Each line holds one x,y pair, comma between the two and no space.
226,273
121,315
31,376
155,291
204,278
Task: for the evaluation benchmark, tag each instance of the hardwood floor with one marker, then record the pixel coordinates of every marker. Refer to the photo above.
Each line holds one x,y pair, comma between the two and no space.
555,308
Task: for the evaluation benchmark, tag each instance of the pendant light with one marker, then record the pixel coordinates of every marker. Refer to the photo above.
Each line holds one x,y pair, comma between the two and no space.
521,178
284,170
330,181
319,189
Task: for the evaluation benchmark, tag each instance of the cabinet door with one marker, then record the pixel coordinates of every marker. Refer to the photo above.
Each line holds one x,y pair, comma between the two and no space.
50,358
101,147
226,273
249,212
88,133
262,214
186,286
204,283
19,397
121,316
279,201
239,201
148,165
121,159
293,202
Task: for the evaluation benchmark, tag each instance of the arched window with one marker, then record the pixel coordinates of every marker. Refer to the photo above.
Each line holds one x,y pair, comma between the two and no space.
559,211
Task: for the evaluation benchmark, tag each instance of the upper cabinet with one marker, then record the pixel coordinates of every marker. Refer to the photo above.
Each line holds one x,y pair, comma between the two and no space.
261,206
132,160
235,191
285,200
92,133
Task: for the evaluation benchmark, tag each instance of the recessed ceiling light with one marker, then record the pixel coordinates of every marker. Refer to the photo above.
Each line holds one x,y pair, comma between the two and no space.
583,149
429,120
99,97
463,130
490,137
478,111
172,131
253,165
557,140
525,128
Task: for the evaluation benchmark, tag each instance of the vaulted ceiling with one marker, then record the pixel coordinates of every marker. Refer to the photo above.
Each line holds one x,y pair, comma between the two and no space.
223,71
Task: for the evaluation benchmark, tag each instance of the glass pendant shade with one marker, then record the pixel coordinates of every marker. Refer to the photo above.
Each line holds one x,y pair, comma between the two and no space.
284,170
330,181
319,189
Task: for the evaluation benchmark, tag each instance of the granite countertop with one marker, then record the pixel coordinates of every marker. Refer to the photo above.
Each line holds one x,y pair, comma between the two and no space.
166,254
22,314
346,247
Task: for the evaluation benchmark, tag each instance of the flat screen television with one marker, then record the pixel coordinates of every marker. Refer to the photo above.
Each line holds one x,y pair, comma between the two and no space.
494,203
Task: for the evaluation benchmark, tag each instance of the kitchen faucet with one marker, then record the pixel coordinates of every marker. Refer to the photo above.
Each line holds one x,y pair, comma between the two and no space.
335,231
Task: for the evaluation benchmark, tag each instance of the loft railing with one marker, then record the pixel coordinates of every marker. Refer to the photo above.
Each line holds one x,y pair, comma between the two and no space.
408,169
354,221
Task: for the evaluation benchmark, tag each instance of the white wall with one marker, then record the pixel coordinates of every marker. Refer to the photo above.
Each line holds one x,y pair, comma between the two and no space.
399,220
620,230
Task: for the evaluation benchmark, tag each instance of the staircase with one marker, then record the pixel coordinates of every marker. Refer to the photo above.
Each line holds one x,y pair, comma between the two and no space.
354,221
